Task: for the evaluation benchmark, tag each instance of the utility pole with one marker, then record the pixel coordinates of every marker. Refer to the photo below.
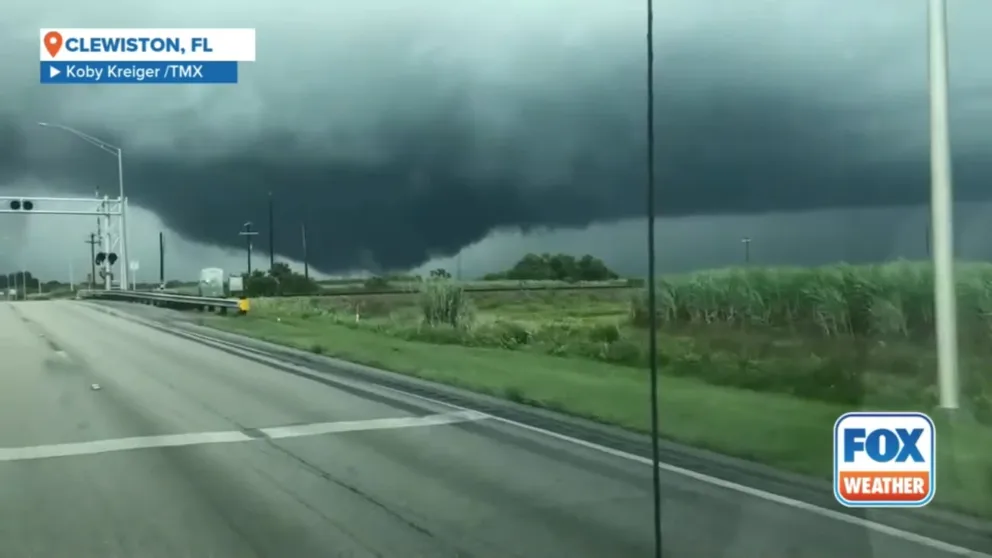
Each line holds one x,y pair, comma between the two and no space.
272,235
248,234
105,243
92,242
306,259
747,250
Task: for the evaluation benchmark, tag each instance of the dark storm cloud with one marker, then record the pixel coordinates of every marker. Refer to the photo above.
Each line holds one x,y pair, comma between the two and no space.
766,106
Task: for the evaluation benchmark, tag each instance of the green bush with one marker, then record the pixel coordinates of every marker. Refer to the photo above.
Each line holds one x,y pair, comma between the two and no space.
376,284
502,334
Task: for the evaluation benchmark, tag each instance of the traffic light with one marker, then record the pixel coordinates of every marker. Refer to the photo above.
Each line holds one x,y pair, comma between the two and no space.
18,205
100,256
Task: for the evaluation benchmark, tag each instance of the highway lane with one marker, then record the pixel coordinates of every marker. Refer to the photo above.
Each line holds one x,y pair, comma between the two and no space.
185,450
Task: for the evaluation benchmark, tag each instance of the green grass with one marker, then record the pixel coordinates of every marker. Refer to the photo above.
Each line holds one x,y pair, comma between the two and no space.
359,287
747,368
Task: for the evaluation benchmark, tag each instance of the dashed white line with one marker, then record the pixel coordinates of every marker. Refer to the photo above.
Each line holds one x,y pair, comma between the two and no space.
373,424
201,438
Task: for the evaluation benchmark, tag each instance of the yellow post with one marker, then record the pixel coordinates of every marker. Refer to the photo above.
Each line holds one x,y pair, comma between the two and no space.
243,305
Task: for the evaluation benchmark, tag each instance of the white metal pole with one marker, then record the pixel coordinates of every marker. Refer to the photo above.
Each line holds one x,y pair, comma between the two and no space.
105,242
125,270
941,207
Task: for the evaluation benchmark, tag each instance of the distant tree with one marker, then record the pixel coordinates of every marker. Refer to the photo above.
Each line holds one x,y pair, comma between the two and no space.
19,280
278,281
376,283
280,270
557,267
440,273
593,269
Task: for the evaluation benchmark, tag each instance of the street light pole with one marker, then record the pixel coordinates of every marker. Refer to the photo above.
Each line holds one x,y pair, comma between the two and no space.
941,208
119,153
125,262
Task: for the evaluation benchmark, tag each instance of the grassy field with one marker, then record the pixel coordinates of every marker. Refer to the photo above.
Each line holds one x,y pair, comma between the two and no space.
342,287
414,286
756,363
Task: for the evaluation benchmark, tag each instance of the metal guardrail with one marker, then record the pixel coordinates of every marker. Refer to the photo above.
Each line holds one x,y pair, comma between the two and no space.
166,300
413,288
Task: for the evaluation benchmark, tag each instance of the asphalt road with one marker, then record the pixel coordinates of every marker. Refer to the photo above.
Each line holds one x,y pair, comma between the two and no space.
187,451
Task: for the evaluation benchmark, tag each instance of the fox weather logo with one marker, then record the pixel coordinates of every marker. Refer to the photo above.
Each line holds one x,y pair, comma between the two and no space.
884,460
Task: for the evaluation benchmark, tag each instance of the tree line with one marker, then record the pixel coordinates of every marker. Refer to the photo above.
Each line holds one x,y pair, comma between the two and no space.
278,281
20,280
556,267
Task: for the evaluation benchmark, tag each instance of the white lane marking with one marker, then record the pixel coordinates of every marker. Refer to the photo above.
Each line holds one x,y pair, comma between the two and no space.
200,438
880,528
120,444
373,424
743,489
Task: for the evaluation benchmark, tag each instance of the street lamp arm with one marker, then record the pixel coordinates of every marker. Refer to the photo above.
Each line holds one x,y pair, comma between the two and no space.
106,146
115,151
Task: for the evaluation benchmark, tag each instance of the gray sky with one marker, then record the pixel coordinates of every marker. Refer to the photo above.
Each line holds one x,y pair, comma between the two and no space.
403,132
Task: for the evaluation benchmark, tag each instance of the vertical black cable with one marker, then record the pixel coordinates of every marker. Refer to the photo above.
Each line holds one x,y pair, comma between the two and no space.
272,235
161,258
652,295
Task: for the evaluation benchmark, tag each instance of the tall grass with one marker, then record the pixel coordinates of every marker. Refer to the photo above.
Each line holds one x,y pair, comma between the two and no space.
444,303
892,300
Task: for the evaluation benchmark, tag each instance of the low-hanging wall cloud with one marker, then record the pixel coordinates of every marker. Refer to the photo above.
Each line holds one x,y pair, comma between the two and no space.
398,131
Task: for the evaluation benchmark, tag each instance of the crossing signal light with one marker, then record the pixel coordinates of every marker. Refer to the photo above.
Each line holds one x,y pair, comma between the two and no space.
17,205
112,257
100,256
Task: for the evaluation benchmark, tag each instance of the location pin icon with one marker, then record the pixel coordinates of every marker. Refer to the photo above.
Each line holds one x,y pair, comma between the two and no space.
53,42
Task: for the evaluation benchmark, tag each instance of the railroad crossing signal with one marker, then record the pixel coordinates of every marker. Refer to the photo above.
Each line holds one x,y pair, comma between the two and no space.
21,205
